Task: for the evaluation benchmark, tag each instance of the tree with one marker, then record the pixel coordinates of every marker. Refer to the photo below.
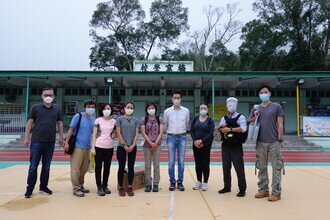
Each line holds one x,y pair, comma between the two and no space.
203,38
123,21
288,35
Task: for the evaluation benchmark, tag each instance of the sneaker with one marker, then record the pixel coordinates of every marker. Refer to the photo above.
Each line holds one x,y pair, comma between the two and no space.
180,186
205,187
106,190
241,193
100,191
274,198
84,190
155,188
28,193
78,193
45,191
197,186
172,187
130,191
122,191
224,190
147,188
261,194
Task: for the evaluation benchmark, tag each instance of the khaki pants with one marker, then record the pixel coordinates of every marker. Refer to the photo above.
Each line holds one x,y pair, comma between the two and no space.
274,153
154,157
79,162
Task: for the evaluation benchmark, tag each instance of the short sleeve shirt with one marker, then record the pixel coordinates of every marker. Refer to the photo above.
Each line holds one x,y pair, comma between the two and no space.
105,128
45,119
85,132
152,129
127,128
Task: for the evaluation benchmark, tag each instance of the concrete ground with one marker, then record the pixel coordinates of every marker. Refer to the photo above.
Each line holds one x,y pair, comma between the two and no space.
305,196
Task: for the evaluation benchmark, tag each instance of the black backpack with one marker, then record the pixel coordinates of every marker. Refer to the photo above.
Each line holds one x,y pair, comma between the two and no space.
239,138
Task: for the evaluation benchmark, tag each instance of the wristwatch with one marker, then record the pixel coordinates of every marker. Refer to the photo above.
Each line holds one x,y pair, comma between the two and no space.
280,140
231,129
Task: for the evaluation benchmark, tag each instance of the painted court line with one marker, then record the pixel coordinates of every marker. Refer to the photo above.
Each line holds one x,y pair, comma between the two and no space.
171,209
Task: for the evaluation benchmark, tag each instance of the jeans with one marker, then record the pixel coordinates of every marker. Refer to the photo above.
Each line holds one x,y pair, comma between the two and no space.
121,157
40,150
176,143
202,162
102,157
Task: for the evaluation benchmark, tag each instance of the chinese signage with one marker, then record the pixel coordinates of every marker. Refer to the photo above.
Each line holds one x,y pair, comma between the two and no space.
316,126
163,66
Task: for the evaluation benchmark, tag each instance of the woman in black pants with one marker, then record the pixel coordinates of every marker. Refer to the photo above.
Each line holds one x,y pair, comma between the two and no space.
127,133
201,132
102,148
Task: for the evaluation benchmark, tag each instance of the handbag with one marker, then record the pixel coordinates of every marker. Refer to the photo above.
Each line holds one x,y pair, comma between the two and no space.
73,139
253,131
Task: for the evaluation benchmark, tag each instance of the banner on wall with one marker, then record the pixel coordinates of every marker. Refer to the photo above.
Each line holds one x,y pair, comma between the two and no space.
220,110
316,126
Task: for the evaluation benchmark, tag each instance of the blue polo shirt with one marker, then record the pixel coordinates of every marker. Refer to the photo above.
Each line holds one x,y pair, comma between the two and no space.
85,132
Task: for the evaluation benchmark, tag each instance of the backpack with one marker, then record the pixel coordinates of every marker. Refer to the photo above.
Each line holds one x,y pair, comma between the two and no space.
239,138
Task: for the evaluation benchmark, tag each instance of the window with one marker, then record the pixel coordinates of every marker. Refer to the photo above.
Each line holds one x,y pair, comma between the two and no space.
184,92
88,92
81,91
224,92
122,92
156,92
321,93
74,91
237,92
217,92
149,92
142,92
286,93
314,93
2,91
101,91
190,92
244,93
293,93
135,92
66,91
203,92
169,92
279,93
252,93
308,93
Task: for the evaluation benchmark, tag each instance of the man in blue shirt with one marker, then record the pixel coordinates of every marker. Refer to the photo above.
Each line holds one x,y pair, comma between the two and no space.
79,159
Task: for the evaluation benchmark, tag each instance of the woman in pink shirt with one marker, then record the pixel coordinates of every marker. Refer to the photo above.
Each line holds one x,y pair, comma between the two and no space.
102,148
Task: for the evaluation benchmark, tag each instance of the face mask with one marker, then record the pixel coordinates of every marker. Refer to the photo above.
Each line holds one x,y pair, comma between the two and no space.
106,112
151,111
176,101
48,99
129,111
231,109
203,112
264,97
90,111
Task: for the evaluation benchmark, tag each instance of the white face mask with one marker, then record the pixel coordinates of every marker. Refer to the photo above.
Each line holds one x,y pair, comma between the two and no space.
90,111
48,99
151,111
231,109
129,111
203,112
106,112
176,101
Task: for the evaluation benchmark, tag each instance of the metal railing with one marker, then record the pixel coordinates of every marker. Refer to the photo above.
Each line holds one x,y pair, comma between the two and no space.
12,123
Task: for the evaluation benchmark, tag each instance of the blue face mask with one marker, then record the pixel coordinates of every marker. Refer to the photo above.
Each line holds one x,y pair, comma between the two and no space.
90,111
264,97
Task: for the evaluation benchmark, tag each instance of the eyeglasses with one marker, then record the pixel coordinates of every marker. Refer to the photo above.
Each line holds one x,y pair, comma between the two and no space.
48,95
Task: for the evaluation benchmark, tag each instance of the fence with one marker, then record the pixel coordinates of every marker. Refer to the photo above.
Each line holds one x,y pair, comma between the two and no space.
12,123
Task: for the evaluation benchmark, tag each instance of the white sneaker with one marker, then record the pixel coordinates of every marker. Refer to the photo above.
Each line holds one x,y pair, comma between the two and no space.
205,187
197,186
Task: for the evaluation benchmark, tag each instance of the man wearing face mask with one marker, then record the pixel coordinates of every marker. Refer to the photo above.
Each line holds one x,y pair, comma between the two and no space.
269,144
79,159
176,119
43,117
233,126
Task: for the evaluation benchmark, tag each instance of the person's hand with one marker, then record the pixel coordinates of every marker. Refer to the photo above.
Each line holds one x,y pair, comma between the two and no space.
225,130
197,143
26,142
130,148
93,153
153,146
66,146
61,141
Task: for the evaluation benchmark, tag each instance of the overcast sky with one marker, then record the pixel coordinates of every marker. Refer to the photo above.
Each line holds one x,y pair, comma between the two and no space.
54,34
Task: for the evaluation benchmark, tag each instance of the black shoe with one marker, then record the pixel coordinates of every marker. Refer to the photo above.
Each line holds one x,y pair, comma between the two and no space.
180,186
82,189
45,191
241,193
100,191
106,190
224,190
28,193
147,188
155,188
172,187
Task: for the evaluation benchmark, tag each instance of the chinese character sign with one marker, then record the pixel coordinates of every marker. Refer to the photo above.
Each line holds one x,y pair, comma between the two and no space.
163,66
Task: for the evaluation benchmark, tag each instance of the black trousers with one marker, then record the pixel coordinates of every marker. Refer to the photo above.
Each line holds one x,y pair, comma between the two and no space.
121,157
202,162
233,154
103,158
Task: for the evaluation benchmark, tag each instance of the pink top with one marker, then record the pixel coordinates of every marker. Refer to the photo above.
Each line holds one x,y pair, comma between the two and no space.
104,139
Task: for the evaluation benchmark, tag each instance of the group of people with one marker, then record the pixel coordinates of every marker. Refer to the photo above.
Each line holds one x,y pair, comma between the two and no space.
96,137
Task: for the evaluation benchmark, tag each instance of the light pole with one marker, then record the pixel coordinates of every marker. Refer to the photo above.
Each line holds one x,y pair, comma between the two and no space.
298,82
109,82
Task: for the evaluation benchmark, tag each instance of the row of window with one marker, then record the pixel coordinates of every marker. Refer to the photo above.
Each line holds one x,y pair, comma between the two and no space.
11,91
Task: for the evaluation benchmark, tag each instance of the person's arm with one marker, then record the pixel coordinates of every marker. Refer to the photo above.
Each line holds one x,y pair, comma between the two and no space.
192,130
280,128
95,130
60,131
209,136
160,135
135,140
187,119
28,128
145,136
166,119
